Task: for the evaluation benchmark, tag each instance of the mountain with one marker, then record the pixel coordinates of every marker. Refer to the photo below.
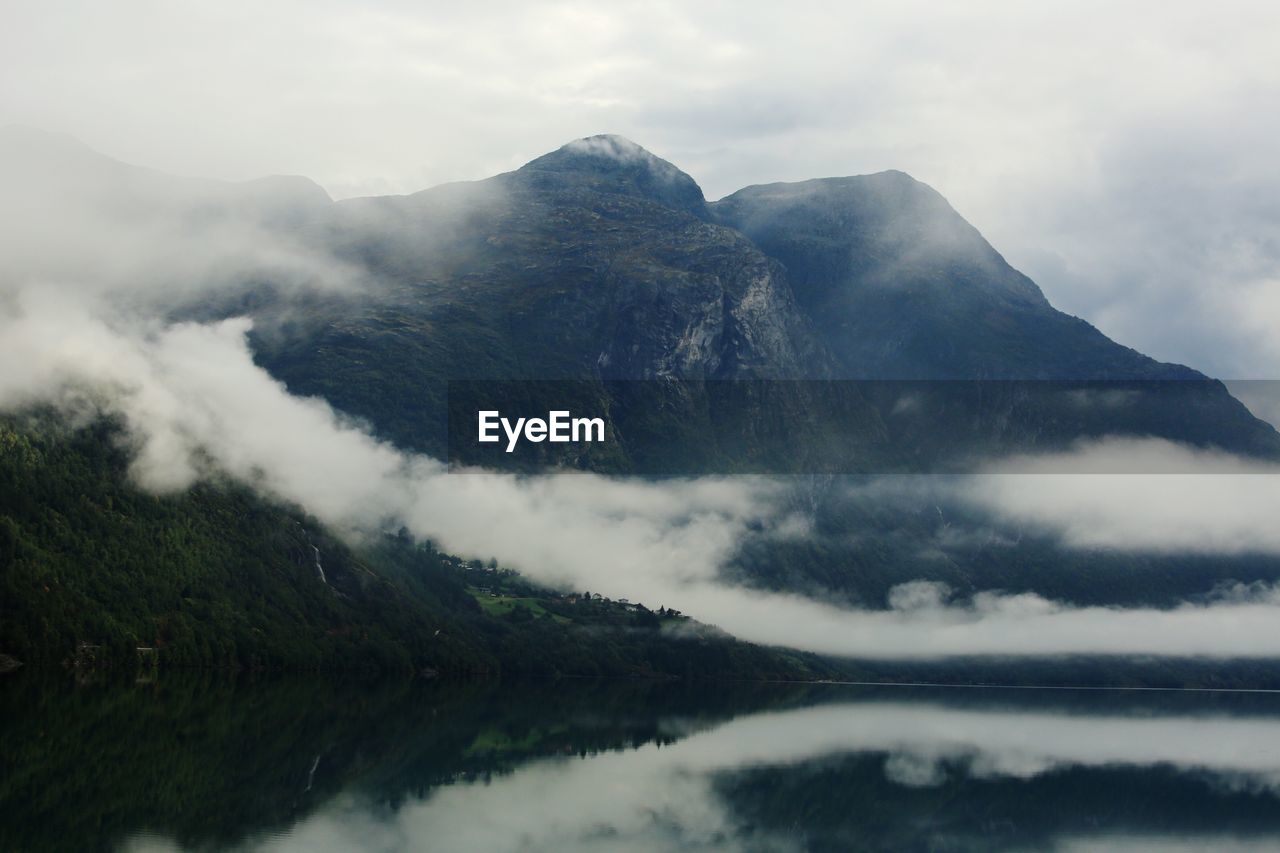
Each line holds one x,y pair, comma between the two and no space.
95,572
615,165
899,286
594,262
601,263
594,266
92,568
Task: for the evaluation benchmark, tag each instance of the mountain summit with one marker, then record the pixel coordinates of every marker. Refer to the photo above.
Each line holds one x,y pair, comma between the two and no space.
612,163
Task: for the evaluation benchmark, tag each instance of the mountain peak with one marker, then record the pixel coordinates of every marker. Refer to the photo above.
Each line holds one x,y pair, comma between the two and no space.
612,146
614,164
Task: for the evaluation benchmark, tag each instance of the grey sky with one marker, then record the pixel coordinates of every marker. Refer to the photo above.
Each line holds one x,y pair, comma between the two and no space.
1121,154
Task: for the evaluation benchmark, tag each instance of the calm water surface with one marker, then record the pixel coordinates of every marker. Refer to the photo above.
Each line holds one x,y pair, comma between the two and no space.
318,765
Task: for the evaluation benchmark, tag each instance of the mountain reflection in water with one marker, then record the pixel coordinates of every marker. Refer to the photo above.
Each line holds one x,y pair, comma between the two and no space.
314,764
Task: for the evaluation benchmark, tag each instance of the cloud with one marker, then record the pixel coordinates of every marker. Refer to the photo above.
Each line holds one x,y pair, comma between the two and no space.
1208,503
76,222
923,625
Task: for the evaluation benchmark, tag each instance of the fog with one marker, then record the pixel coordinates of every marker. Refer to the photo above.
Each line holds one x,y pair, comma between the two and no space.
75,221
1209,503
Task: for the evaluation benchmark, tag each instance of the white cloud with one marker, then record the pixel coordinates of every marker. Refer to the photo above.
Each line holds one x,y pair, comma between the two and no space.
1139,494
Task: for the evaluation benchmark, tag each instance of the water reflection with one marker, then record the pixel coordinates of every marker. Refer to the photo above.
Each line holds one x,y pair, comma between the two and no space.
313,765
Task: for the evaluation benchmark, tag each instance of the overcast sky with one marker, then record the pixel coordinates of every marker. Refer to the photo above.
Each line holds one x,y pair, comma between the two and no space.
1122,154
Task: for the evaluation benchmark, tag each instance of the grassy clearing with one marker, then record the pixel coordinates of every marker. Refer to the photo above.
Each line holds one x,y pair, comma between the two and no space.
501,605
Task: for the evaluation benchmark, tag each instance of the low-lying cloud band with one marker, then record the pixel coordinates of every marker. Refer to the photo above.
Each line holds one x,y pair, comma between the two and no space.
192,396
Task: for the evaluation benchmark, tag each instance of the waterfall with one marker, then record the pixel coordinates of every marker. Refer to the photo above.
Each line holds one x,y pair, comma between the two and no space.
319,568
311,777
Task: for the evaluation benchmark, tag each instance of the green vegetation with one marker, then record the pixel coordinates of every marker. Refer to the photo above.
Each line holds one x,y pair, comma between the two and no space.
97,572
96,569
519,609
532,630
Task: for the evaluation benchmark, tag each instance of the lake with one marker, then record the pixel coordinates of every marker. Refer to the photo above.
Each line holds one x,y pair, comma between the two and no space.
317,764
